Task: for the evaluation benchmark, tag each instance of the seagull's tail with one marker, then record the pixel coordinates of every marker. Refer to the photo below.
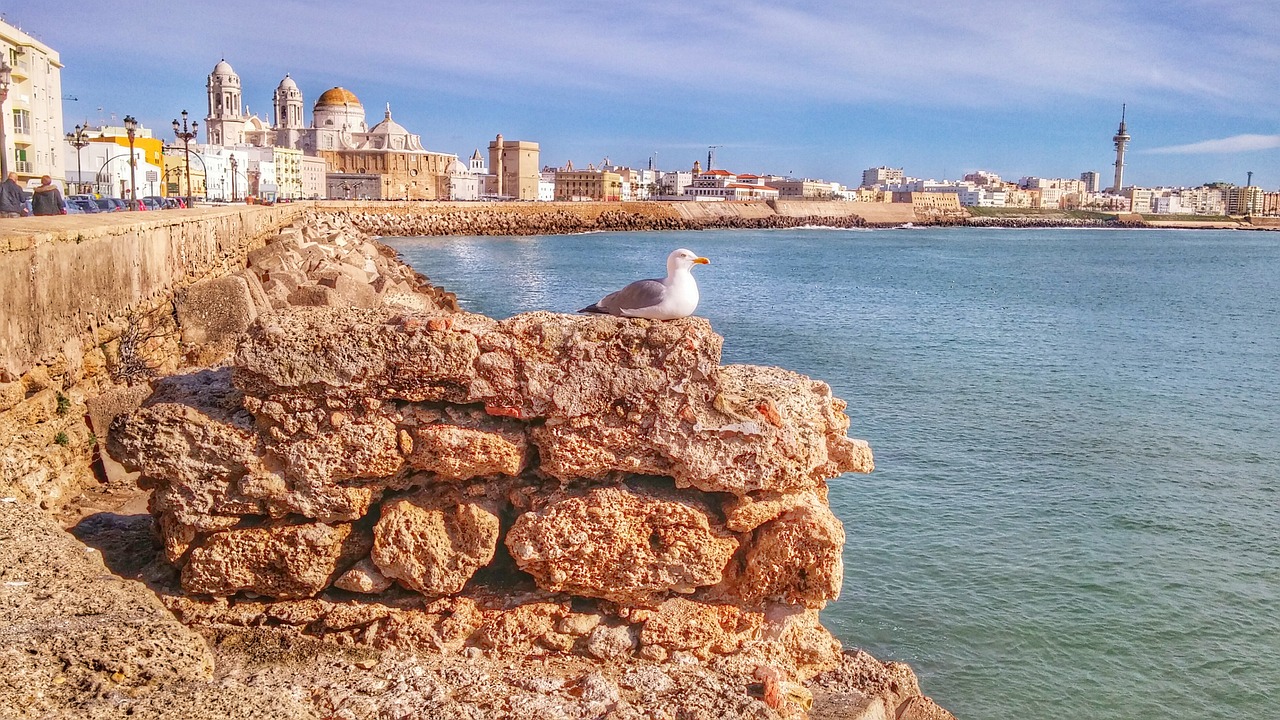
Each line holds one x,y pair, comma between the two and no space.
594,308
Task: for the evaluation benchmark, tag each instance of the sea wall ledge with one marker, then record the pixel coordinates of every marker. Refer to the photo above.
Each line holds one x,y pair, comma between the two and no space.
63,276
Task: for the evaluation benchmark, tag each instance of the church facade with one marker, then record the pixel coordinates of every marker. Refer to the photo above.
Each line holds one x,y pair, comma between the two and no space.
338,133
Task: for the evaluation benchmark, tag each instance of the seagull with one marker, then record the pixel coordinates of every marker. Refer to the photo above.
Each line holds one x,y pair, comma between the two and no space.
674,296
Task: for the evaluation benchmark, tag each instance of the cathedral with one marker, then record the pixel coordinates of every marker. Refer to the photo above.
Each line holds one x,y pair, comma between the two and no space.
389,160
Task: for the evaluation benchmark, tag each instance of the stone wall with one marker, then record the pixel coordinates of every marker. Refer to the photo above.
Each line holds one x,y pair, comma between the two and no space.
61,276
88,308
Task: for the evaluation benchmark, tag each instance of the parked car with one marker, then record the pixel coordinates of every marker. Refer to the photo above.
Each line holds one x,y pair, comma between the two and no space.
105,205
117,203
152,202
84,206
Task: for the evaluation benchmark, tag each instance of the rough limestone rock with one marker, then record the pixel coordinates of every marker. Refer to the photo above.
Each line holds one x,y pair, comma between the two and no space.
461,453
629,546
795,558
291,561
72,634
434,541
214,313
364,577
614,394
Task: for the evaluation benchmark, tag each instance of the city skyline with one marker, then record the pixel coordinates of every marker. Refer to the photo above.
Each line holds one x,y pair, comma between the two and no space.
823,92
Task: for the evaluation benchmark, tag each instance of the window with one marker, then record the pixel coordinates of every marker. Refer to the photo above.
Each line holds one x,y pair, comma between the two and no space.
22,121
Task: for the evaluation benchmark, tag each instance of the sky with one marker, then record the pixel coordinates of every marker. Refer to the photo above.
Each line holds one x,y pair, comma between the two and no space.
784,87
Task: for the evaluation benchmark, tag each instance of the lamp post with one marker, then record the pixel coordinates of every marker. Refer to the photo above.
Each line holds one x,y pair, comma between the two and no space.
186,136
79,140
131,127
233,177
5,77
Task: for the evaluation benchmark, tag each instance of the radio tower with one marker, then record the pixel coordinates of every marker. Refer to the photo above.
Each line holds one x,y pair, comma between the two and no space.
1121,139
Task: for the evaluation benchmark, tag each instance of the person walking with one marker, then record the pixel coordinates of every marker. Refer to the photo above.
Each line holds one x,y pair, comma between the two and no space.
13,202
47,199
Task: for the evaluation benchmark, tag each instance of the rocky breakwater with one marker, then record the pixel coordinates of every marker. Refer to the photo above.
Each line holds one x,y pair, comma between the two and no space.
557,219
547,488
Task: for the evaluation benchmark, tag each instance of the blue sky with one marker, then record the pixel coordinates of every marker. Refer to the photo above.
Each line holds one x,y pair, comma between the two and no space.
784,87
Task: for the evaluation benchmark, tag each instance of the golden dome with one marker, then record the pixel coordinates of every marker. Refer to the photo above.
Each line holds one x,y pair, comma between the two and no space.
337,96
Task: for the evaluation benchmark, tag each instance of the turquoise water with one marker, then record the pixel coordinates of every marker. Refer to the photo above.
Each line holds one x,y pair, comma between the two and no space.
1077,434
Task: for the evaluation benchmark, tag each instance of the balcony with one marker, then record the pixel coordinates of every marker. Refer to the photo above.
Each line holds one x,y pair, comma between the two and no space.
21,70
24,166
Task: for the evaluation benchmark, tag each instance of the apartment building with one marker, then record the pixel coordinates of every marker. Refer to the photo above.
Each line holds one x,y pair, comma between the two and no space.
31,135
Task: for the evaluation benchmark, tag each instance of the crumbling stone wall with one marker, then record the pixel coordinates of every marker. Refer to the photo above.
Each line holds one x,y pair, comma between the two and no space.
600,460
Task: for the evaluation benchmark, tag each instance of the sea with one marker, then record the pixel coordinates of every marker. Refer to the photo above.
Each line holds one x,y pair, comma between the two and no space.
1075,508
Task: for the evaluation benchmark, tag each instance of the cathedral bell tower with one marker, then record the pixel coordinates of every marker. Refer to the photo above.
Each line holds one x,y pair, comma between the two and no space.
225,121
288,105
287,102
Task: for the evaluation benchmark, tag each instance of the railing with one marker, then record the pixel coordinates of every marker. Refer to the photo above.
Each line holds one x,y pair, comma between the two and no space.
23,166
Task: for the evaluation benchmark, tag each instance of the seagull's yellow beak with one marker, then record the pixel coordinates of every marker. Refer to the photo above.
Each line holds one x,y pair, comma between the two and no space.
701,261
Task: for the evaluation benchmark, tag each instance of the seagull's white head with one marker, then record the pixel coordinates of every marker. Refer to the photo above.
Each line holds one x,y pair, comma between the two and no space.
684,260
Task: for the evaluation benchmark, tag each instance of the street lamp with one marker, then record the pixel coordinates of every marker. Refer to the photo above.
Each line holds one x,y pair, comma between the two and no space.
79,140
5,77
131,127
233,178
186,136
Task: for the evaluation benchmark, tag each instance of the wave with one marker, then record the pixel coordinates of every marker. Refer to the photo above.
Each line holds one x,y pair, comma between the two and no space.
829,227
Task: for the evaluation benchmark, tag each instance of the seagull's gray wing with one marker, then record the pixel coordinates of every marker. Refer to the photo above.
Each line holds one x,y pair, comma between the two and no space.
636,296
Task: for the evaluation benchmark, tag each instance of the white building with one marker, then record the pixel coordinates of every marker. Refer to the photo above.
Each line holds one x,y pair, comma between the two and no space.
1203,201
674,182
313,177
881,176
221,181
102,166
1168,205
724,185
547,185
32,141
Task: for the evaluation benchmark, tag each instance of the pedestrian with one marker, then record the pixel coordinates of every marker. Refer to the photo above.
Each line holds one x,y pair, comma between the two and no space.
47,199
13,201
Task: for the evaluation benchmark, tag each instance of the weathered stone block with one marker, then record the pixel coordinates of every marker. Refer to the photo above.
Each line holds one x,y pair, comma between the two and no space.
213,313
291,561
434,542
315,296
796,558
631,547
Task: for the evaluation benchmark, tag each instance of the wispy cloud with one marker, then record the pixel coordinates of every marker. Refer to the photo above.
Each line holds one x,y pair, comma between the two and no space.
979,55
1233,144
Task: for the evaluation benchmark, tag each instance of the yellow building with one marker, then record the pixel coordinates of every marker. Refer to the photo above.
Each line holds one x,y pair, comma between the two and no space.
404,176
175,175
579,185
288,173
408,172
871,194
930,203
